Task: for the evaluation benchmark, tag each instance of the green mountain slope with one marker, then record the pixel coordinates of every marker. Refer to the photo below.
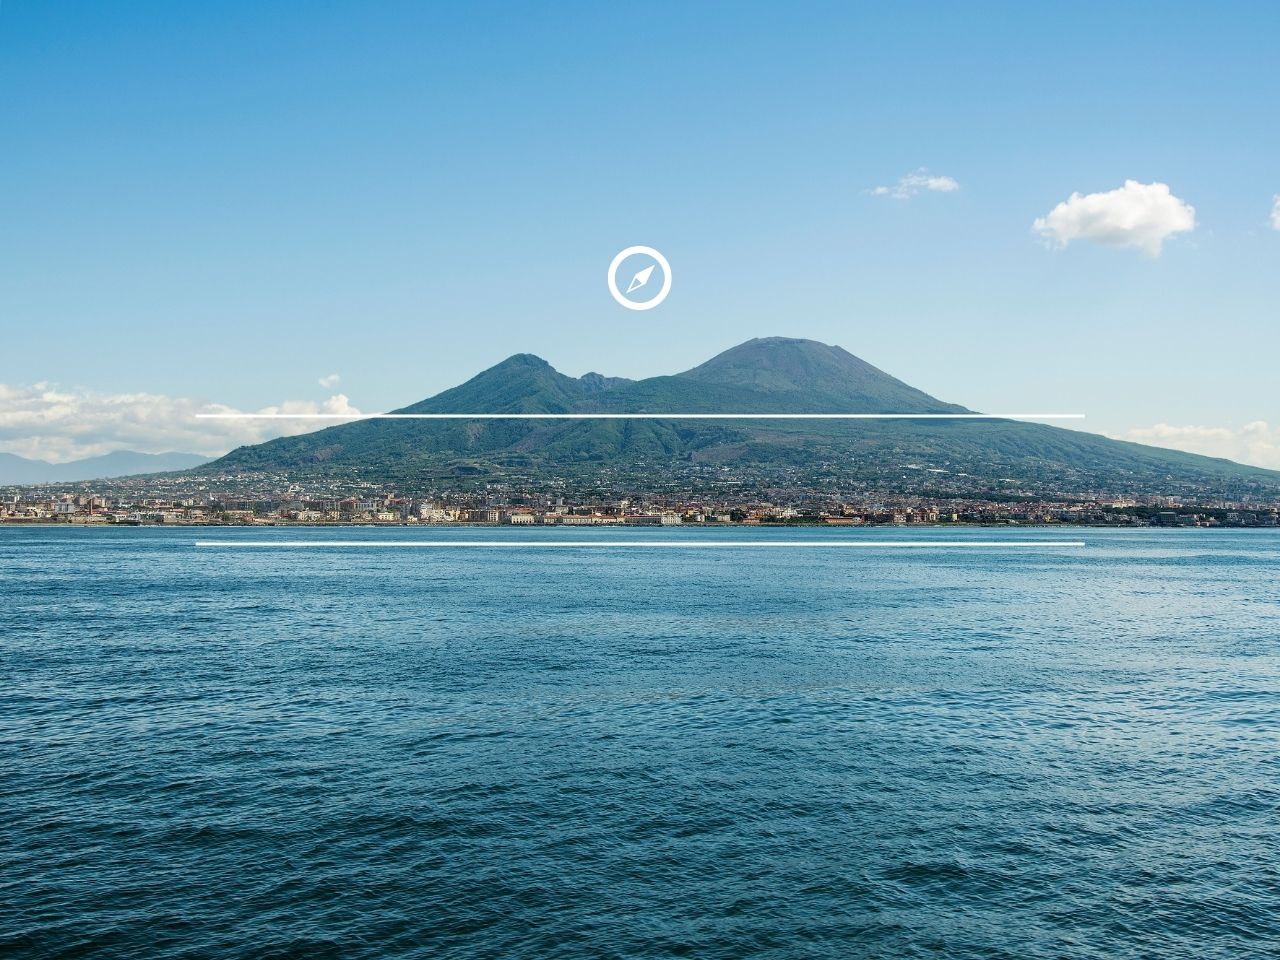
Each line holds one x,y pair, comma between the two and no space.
772,375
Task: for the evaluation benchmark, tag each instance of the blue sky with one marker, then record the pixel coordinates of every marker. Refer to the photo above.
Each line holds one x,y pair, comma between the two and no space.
226,203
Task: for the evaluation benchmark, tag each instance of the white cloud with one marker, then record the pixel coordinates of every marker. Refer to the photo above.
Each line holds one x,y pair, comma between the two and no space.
1140,215
913,183
1275,212
48,422
330,381
1255,443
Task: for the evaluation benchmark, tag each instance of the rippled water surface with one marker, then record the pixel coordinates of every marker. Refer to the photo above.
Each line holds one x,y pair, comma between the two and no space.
638,753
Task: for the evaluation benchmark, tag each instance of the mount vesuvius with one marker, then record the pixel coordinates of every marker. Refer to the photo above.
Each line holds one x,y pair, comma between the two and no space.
770,375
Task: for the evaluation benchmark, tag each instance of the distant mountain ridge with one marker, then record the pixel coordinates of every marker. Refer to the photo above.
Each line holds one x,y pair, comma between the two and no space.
16,470
768,375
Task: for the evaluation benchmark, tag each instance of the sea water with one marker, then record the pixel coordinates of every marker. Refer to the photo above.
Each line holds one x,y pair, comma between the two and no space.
638,752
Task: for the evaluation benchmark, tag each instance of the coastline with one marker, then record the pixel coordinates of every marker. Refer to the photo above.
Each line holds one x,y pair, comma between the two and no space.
712,527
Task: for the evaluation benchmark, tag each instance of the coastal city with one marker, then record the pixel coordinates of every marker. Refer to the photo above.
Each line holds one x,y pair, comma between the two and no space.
179,502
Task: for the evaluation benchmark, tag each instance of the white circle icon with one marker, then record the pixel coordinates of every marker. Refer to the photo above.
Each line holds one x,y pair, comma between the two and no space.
640,279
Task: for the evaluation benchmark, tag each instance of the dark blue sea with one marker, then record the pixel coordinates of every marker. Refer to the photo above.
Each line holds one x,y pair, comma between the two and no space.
778,753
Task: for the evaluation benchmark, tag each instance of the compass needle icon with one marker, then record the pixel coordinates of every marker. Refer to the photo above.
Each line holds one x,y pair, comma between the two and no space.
641,278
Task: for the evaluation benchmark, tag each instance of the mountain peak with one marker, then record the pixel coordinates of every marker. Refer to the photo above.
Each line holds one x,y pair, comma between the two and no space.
810,375
782,342
781,352
522,383
517,361
598,382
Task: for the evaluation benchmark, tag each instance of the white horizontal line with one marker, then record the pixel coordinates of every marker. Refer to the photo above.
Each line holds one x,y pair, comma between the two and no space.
664,544
640,416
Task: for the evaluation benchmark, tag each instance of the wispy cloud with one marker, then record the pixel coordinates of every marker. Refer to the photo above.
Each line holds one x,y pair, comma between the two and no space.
1256,443
330,381
1138,215
917,182
1275,212
49,422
